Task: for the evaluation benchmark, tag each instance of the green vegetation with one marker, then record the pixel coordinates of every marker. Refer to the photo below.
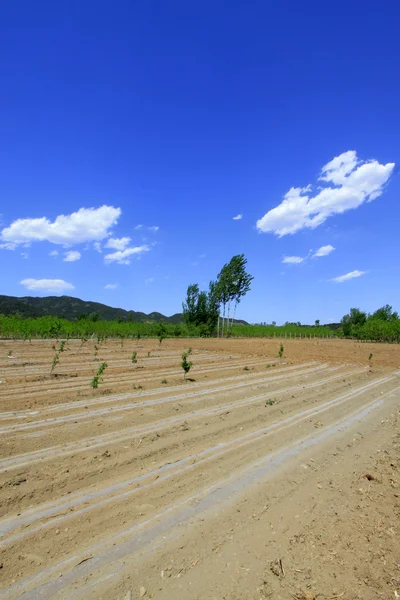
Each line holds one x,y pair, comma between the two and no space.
281,351
164,381
134,355
186,366
270,402
201,309
381,326
56,357
246,369
98,377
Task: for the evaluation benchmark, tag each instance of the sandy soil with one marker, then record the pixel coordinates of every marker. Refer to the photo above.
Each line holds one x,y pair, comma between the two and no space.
257,478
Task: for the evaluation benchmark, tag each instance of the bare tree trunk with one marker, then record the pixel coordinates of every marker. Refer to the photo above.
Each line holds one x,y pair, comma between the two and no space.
234,312
229,311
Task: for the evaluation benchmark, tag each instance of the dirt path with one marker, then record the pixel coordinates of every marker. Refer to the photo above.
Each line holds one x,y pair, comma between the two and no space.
199,489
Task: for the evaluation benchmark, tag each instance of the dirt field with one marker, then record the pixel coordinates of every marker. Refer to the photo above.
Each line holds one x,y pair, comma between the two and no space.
257,478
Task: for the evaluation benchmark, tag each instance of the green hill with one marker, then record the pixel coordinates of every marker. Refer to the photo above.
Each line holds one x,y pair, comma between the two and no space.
74,308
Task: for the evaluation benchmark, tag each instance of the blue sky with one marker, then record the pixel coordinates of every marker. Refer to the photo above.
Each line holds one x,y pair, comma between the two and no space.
179,116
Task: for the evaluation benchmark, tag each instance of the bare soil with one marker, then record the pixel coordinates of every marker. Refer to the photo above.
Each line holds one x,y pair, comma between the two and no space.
256,477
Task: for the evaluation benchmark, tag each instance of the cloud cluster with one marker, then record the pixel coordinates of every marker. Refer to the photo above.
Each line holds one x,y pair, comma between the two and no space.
350,183
124,257
296,260
47,285
85,225
238,217
111,286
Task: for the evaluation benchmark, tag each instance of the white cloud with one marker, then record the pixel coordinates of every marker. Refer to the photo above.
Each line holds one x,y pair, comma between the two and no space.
72,256
348,276
85,225
353,183
118,243
323,251
292,260
123,256
8,246
54,253
111,286
47,285
151,228
238,217
149,280
97,247
24,255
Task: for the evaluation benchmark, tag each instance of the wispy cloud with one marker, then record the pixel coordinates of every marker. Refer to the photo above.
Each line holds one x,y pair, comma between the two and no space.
323,251
47,285
97,247
24,255
85,225
351,183
123,257
348,276
8,246
238,217
54,253
72,256
153,228
111,286
292,260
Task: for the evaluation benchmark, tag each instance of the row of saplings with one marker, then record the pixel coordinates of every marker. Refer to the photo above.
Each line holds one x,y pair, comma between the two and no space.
98,377
185,364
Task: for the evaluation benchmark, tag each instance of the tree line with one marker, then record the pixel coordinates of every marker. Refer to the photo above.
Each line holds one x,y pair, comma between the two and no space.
383,325
203,309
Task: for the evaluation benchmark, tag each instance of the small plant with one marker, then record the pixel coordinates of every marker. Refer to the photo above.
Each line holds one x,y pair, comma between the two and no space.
270,402
140,387
246,369
134,355
281,350
148,354
98,377
370,357
186,366
10,353
164,381
54,362
268,367
95,350
56,357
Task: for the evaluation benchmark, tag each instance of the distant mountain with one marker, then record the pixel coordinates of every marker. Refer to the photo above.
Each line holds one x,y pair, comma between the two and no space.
73,308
